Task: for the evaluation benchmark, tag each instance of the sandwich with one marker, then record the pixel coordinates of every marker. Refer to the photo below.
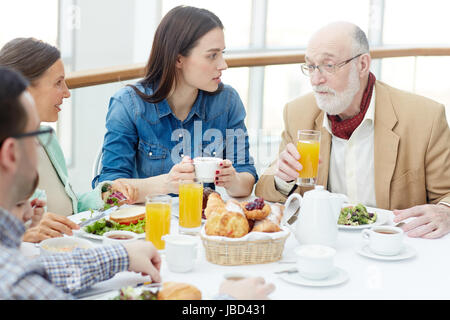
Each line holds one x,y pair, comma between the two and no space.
126,215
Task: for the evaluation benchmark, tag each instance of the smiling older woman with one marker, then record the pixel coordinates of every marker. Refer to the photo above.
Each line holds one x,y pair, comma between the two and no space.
42,66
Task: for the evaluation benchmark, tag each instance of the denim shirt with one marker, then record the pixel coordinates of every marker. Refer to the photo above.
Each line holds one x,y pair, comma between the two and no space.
146,139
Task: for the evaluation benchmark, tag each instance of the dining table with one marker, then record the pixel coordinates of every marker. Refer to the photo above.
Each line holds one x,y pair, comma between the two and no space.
424,273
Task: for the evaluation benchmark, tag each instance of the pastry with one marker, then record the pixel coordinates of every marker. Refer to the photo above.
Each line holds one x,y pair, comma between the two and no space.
178,291
214,203
230,223
272,222
206,193
256,210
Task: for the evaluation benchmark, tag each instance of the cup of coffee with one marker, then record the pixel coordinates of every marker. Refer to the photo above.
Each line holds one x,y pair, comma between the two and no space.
206,167
315,261
181,252
384,240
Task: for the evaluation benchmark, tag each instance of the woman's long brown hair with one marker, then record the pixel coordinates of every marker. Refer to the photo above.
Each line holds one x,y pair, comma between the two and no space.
177,33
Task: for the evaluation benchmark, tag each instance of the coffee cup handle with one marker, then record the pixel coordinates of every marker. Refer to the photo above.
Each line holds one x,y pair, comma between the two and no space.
366,234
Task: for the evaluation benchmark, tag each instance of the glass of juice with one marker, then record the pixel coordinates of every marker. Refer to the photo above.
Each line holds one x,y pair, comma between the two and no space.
157,219
308,146
190,206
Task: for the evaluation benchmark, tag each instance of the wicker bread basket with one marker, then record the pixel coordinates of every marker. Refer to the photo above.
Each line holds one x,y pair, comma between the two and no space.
230,253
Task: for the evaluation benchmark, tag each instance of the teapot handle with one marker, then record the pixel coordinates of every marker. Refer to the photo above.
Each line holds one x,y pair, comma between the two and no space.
291,206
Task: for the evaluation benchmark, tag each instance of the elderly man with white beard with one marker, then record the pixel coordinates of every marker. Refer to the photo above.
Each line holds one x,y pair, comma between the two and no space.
380,146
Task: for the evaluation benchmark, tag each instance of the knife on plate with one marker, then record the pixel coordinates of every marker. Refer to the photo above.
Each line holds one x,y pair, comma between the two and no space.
99,216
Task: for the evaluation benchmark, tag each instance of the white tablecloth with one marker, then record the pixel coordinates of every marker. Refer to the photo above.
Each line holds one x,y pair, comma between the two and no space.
424,276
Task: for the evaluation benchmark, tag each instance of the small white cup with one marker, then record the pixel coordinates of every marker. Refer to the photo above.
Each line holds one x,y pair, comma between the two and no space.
315,261
384,240
205,168
119,236
181,252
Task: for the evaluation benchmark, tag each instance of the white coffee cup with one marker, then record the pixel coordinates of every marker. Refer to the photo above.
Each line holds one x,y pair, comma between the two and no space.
315,261
206,167
181,252
384,240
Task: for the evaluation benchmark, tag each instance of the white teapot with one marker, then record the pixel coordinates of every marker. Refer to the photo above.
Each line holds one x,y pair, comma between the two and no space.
317,220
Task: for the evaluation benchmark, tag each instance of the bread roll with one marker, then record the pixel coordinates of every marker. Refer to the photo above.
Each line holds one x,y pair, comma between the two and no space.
178,291
272,222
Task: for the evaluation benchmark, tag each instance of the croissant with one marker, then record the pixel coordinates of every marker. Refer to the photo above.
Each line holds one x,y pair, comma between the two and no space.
178,291
214,203
272,222
230,223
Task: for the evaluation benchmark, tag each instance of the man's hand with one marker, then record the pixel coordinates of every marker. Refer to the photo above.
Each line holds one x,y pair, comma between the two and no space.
287,164
144,258
431,220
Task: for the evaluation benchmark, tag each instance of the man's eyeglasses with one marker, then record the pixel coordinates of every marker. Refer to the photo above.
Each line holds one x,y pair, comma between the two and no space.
45,136
308,69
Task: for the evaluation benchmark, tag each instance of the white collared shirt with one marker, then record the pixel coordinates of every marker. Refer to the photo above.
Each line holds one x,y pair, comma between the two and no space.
352,170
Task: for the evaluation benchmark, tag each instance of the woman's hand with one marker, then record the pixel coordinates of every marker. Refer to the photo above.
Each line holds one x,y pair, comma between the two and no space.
38,211
50,226
237,184
182,171
128,188
226,175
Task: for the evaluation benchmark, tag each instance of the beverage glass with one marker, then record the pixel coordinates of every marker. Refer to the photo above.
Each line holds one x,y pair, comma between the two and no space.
190,206
308,146
157,219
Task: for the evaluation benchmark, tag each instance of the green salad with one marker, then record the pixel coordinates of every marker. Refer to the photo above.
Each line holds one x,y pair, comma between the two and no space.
101,226
130,293
356,215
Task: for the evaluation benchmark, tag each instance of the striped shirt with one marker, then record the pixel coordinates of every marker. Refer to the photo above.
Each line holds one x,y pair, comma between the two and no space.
55,276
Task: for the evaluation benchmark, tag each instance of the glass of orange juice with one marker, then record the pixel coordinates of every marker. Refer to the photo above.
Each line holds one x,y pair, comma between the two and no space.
190,206
308,146
157,219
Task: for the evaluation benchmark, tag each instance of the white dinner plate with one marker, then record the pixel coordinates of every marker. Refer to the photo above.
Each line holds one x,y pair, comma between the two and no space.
77,218
337,277
406,253
383,217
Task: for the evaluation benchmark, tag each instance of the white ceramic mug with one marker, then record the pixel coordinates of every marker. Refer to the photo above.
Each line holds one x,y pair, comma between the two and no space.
315,261
384,240
181,252
205,168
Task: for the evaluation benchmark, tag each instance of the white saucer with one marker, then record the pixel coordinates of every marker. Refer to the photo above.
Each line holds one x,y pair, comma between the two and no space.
406,253
337,277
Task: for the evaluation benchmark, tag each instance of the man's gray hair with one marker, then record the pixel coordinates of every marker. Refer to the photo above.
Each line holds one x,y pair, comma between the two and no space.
360,41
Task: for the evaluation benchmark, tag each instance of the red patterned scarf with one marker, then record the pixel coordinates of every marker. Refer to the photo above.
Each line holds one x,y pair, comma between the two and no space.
344,128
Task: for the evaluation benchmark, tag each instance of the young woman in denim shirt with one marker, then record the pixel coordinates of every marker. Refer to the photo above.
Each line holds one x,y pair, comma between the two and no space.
179,111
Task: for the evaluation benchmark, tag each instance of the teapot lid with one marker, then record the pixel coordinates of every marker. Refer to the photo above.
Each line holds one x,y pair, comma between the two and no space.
317,192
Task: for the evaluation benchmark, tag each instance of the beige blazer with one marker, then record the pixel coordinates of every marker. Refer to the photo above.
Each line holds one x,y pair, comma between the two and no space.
412,148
